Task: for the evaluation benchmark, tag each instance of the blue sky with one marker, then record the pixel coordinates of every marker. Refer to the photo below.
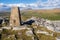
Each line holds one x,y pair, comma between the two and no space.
17,1
34,4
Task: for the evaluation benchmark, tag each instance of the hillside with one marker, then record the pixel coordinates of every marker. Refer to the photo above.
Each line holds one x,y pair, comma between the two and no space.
4,14
44,11
47,14
41,29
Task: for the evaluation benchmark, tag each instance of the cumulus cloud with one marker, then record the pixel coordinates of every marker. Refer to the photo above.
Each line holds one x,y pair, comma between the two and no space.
1,4
49,4
19,5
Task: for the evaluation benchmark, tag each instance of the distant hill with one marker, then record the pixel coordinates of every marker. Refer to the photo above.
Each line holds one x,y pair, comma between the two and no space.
43,11
53,14
4,14
49,14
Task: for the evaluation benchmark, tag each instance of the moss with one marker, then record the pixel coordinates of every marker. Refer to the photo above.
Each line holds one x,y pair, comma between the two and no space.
21,34
45,37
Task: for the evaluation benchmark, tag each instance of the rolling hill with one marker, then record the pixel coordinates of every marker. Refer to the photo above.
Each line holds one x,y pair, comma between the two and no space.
52,14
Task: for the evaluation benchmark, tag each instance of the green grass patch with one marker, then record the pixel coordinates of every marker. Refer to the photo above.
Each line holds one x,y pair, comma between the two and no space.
50,16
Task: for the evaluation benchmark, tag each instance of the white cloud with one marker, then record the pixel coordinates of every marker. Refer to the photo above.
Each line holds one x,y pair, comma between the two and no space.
37,5
33,5
19,5
1,4
50,4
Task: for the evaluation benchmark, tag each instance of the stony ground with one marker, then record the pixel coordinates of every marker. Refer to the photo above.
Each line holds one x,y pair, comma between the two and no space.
57,25
57,22
28,32
41,29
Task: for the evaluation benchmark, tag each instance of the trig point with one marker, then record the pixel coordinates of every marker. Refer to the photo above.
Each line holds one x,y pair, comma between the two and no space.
15,17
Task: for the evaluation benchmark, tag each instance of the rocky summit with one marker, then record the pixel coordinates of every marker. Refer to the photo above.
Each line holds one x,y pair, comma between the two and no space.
33,28
41,29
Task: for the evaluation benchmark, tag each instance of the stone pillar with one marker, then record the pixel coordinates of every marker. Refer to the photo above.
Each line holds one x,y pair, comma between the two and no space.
15,17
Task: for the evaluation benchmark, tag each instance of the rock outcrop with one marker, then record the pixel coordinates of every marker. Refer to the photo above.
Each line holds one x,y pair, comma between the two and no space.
40,29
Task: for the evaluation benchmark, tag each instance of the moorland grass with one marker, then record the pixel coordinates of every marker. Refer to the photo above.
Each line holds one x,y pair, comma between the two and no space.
50,16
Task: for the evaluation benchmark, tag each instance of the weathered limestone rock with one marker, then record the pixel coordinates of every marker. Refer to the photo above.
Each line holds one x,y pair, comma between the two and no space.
15,17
